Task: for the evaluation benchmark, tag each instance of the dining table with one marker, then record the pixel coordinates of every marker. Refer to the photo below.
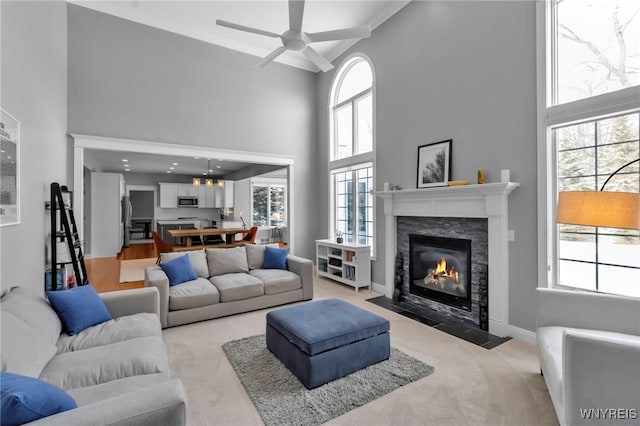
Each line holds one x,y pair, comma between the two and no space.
186,234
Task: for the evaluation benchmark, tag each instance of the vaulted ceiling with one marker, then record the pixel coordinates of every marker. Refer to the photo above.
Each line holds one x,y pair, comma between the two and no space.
196,19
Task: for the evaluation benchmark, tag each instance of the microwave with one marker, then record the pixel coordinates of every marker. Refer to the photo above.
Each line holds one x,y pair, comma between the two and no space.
186,201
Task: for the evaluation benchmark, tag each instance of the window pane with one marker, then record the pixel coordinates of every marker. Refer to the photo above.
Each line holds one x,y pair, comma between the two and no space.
576,246
620,250
577,274
364,142
278,206
578,136
597,50
358,78
619,280
344,132
260,205
365,205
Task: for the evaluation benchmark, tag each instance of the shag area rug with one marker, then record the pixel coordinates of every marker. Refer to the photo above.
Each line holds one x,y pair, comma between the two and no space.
281,399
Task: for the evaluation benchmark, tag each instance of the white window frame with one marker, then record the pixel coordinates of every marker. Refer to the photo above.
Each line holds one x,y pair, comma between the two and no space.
355,161
550,116
268,183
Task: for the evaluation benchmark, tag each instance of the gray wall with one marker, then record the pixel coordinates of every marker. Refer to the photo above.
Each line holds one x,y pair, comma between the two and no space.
460,70
128,80
34,90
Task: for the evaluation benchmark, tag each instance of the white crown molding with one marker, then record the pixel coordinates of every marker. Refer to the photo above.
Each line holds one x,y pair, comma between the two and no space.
287,58
389,10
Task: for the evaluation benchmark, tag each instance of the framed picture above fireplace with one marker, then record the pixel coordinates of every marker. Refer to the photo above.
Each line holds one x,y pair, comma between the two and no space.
434,164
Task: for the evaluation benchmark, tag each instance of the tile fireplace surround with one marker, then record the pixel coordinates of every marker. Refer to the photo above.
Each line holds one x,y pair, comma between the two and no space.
468,201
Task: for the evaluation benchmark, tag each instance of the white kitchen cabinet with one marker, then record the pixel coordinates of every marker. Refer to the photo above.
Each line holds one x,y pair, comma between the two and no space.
228,194
206,197
168,195
107,229
187,190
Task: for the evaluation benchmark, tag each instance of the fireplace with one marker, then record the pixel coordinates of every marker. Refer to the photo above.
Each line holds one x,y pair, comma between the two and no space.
440,269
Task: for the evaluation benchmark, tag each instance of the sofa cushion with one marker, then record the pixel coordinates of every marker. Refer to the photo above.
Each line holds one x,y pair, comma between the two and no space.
193,294
24,350
237,286
275,258
112,331
33,310
102,364
276,280
179,270
227,261
25,399
78,308
96,393
255,255
198,260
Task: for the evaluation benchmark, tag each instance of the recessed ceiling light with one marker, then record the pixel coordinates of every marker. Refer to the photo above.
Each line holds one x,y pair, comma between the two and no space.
218,167
175,164
204,173
168,171
2,151
172,168
196,158
210,170
124,160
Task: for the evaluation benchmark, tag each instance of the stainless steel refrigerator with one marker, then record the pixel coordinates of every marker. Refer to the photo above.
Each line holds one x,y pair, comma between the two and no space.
127,210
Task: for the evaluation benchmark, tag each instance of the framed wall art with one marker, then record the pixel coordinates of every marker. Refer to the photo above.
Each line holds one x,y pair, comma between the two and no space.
434,164
9,169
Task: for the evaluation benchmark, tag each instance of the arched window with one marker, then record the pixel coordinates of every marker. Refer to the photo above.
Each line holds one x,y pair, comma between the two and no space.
352,130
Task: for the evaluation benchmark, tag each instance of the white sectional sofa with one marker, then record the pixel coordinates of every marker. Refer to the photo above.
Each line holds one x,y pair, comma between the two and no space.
117,371
229,281
589,352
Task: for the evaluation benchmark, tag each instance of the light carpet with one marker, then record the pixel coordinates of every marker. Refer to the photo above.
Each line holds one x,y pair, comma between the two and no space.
133,270
281,398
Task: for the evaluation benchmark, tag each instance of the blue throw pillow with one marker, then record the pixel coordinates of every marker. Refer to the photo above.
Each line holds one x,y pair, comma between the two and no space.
179,270
275,258
25,399
78,308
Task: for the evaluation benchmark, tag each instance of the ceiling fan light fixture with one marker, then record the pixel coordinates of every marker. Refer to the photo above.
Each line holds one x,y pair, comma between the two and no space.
296,40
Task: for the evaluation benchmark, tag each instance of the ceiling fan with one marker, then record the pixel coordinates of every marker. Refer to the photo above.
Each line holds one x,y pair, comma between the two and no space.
297,40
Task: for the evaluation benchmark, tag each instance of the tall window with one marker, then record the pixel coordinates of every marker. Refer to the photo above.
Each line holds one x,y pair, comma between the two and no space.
593,123
269,205
352,144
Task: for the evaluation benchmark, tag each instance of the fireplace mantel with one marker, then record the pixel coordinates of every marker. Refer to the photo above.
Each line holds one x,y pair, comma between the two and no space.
476,201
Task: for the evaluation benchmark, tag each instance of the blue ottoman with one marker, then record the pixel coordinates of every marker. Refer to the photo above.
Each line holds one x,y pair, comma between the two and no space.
327,339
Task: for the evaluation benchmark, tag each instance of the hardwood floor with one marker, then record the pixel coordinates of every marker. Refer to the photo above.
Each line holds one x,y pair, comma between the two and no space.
104,272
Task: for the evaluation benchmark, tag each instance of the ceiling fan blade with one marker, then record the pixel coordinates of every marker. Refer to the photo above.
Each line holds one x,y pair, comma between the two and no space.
296,11
344,34
243,28
270,57
317,59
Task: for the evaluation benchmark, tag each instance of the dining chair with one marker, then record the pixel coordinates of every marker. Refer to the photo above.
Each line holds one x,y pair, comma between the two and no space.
251,236
161,245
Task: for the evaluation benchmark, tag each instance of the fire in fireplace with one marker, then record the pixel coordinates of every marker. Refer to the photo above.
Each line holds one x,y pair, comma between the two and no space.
440,269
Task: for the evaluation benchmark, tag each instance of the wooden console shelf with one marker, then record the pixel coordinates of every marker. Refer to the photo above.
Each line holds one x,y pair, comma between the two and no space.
347,263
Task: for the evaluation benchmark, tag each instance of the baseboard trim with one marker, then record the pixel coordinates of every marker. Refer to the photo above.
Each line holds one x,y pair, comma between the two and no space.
379,288
522,334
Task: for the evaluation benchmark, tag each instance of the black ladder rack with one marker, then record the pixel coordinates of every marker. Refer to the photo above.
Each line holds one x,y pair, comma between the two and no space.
66,232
